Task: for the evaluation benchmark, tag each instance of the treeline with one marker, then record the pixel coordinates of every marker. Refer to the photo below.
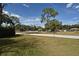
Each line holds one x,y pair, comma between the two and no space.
47,27
21,27
70,26
74,27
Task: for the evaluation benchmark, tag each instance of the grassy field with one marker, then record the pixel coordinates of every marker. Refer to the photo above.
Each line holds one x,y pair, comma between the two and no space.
35,46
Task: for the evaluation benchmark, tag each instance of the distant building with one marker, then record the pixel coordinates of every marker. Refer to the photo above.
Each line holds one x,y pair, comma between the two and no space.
65,30
74,29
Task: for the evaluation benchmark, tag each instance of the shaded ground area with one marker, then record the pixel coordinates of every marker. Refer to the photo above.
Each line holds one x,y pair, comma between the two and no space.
18,45
34,45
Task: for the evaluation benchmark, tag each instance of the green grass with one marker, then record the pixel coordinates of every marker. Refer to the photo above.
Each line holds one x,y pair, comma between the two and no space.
34,45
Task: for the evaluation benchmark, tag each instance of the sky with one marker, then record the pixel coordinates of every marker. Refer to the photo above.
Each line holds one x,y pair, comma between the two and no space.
30,13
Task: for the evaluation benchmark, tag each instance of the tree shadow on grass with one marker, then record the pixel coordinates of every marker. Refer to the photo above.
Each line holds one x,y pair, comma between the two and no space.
17,35
7,42
12,46
4,43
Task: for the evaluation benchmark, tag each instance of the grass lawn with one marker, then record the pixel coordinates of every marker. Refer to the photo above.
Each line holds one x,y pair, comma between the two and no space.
34,45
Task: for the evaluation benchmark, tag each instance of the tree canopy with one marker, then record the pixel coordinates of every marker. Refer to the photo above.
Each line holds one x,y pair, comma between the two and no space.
48,16
48,13
53,25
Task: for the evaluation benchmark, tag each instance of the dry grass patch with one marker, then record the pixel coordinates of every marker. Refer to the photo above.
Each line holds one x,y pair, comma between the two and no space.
35,45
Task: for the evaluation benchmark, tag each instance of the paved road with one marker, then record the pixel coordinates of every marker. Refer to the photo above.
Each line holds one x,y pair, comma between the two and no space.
53,35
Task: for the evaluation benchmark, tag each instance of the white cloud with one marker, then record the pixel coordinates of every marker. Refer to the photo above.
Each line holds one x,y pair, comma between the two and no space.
37,19
75,18
31,21
6,12
25,5
69,5
77,6
11,14
16,15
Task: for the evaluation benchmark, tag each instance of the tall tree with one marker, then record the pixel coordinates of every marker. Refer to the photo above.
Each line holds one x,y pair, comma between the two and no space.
1,9
8,21
48,17
48,13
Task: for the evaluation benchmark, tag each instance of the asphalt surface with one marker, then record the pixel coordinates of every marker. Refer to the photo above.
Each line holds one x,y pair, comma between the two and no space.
53,35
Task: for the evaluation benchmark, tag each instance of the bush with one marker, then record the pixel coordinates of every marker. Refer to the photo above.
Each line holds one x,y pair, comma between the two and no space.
7,29
7,32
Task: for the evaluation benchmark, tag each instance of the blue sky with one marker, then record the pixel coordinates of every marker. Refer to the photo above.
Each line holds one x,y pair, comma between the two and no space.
30,13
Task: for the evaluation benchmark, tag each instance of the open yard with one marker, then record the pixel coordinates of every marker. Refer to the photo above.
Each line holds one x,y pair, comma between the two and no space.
34,45
39,29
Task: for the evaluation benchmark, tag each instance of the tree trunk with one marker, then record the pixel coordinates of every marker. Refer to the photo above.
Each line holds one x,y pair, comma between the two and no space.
1,8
